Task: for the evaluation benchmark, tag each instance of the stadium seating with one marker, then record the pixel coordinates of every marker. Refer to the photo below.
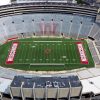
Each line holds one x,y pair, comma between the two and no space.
97,43
98,49
94,31
70,25
94,53
96,60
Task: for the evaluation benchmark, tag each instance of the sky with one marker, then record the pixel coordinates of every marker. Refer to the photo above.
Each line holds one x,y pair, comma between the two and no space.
4,2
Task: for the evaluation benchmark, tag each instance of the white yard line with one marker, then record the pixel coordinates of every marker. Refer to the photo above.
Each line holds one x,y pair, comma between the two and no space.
21,52
28,53
47,41
69,53
72,50
75,53
51,41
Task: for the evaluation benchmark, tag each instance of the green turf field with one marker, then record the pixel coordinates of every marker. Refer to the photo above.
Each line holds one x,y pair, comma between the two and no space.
46,54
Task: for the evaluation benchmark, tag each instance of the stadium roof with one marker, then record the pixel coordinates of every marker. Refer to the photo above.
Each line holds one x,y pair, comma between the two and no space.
4,83
98,1
27,1
91,85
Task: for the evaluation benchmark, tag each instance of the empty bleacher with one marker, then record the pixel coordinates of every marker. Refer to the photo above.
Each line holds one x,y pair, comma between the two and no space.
94,53
97,43
97,36
74,26
94,30
27,18
96,59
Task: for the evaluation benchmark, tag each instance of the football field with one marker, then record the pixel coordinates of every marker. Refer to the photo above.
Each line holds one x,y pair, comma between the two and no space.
49,54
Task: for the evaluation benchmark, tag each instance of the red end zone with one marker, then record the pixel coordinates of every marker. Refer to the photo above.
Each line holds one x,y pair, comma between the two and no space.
12,52
82,53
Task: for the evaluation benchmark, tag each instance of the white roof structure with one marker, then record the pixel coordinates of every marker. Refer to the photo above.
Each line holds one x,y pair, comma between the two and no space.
97,1
4,84
29,1
91,85
5,2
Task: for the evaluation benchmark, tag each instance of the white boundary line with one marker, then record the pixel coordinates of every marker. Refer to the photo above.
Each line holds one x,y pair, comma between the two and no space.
51,41
47,41
48,63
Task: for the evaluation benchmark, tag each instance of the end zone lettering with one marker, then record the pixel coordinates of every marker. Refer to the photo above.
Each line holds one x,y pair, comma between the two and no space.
83,57
12,53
